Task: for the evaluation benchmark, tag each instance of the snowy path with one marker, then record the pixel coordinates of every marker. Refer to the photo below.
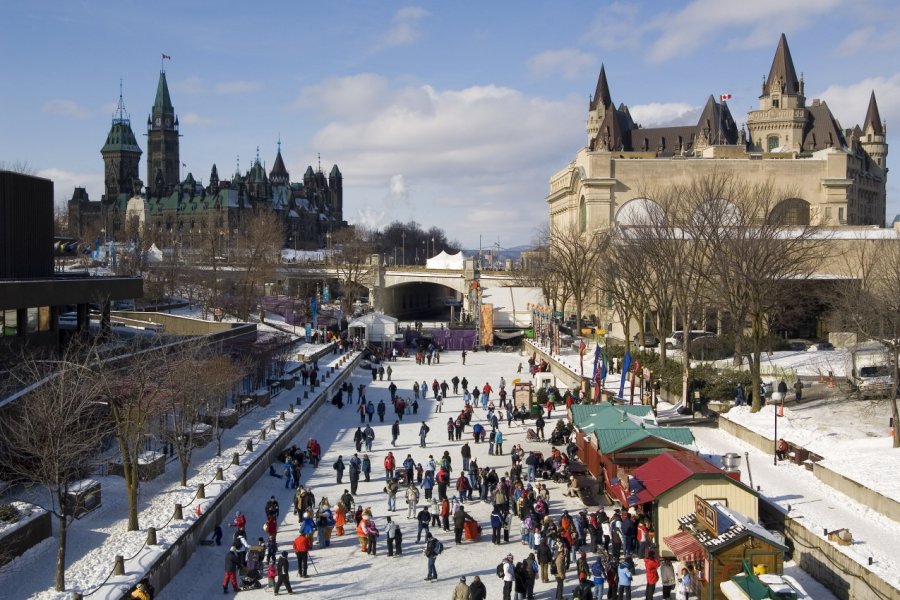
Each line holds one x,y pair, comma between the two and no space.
344,572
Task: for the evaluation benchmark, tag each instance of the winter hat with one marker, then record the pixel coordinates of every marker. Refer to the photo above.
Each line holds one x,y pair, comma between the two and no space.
509,556
284,553
462,579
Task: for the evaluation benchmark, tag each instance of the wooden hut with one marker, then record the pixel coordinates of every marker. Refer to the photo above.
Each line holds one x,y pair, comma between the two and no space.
715,541
666,485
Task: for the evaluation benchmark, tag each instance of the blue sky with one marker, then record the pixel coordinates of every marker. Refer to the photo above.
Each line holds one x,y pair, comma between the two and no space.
450,113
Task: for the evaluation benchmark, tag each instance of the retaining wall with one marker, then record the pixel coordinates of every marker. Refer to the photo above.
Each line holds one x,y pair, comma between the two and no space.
162,570
843,576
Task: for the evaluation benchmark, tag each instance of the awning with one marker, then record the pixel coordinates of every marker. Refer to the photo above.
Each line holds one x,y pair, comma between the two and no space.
508,335
685,547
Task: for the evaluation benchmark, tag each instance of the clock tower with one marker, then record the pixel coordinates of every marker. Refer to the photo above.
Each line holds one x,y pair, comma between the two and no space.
163,161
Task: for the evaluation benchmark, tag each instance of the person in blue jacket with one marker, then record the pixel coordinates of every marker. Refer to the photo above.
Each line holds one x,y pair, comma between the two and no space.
625,576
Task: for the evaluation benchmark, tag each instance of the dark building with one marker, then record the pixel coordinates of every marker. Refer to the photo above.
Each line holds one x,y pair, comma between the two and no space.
32,294
186,211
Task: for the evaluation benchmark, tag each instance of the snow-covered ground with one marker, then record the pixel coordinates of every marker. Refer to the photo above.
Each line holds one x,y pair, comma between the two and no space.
95,539
342,571
818,505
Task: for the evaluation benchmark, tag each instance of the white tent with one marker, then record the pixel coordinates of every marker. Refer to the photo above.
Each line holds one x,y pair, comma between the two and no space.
374,327
154,255
446,261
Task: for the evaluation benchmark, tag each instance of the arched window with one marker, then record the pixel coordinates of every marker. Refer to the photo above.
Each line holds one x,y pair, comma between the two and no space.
582,216
790,212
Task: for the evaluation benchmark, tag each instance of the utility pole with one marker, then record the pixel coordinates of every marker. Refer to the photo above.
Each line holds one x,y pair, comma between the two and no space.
403,254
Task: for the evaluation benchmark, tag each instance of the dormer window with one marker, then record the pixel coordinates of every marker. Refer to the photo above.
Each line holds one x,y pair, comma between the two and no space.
774,102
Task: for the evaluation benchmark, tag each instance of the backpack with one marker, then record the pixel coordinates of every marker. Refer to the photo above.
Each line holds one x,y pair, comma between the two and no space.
438,547
500,571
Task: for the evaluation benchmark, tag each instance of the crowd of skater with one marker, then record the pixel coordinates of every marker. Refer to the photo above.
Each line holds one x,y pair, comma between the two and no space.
436,488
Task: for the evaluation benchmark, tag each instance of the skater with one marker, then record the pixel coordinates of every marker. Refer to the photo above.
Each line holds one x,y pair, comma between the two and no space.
282,572
423,431
302,546
389,466
432,548
395,432
231,567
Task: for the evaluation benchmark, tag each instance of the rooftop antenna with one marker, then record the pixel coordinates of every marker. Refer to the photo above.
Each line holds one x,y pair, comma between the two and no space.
319,156
257,154
279,142
121,116
238,172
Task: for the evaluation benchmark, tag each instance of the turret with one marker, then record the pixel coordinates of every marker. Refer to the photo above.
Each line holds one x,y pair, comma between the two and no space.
162,140
121,156
782,116
279,174
873,134
599,105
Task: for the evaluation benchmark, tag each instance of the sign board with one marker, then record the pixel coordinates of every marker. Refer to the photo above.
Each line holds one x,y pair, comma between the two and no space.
706,514
452,302
557,314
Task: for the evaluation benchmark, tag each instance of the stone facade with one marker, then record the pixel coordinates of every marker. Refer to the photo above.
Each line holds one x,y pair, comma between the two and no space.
833,176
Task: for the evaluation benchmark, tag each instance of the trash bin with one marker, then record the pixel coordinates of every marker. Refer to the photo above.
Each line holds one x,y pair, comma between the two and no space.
535,411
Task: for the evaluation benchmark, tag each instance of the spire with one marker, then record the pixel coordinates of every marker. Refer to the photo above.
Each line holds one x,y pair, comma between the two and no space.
873,118
163,103
279,173
601,94
783,70
121,115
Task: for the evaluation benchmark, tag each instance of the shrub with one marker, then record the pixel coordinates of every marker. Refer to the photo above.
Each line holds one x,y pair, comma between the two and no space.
9,513
542,396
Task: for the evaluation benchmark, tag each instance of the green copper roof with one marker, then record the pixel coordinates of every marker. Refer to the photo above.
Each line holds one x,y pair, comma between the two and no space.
121,138
163,103
604,414
612,440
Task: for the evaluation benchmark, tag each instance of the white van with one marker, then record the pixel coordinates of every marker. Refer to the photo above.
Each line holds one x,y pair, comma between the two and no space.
676,340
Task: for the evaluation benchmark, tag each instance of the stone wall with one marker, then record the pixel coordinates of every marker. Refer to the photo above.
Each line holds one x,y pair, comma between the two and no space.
169,563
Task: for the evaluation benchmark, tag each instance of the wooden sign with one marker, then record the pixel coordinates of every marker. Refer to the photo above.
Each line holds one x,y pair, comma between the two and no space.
706,514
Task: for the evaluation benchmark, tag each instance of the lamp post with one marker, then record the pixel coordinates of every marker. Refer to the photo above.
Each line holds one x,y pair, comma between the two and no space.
294,321
433,249
403,252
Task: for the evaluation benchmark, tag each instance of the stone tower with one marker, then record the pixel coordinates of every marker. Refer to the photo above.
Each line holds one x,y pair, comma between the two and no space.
336,189
121,157
598,106
163,160
873,139
782,113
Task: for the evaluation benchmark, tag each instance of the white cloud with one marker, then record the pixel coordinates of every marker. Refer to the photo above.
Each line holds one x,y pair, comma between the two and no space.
757,23
237,87
568,63
65,182
405,28
665,114
849,102
465,149
66,108
855,41
193,118
189,86
370,217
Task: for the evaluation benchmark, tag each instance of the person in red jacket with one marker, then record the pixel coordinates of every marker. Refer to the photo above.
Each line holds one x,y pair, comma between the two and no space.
389,465
651,564
302,545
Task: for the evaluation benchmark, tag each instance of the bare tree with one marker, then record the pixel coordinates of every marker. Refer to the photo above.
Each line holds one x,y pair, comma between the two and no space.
18,166
756,259
869,302
353,253
138,391
258,253
622,280
51,435
576,257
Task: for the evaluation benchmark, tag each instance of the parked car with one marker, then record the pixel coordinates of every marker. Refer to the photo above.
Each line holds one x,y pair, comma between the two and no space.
650,340
676,340
821,346
798,345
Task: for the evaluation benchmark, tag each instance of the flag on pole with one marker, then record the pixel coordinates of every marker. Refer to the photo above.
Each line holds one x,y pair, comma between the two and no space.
167,57
626,365
724,97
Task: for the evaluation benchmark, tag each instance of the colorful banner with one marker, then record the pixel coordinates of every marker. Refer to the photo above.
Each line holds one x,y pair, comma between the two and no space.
487,324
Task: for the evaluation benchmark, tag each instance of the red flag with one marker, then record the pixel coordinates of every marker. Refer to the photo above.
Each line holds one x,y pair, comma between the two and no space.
167,57
724,97
581,348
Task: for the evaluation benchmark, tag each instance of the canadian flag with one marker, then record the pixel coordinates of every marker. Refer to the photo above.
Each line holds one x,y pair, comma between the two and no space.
724,97
167,57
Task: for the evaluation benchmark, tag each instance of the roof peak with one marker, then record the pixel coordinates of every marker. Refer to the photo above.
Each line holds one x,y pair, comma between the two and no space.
163,102
873,117
782,69
601,93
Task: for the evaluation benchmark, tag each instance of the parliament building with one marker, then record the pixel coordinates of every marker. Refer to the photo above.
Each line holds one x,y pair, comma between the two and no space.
170,210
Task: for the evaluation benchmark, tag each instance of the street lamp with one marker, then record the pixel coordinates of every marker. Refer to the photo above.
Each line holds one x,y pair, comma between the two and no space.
403,254
433,249
294,321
